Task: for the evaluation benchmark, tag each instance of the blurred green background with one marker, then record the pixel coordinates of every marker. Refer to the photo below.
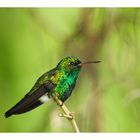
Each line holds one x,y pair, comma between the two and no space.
107,95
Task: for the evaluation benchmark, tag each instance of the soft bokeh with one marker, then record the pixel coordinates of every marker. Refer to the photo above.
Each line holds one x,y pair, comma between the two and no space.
107,95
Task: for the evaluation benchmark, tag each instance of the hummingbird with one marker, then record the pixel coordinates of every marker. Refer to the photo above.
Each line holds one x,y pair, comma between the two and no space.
60,80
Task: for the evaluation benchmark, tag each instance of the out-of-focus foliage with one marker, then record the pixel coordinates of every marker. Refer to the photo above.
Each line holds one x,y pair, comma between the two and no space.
107,95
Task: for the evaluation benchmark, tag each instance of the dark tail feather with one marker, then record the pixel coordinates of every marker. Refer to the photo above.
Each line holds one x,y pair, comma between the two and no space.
7,114
30,101
16,110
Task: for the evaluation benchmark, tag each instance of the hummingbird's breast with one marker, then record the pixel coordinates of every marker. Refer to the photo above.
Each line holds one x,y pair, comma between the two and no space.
65,84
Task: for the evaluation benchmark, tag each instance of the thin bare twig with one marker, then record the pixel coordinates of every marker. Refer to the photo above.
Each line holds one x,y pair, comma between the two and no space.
66,113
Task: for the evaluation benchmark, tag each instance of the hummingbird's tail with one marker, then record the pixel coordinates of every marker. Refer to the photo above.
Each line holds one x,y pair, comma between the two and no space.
30,100
15,110
7,114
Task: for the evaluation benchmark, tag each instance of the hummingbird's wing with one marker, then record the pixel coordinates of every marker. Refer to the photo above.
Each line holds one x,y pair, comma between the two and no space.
31,99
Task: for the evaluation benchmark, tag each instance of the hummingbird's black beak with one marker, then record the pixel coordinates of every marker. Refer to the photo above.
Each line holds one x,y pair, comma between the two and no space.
88,62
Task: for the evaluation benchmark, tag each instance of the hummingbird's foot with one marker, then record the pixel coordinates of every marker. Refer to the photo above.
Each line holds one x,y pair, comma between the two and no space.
57,100
56,94
61,104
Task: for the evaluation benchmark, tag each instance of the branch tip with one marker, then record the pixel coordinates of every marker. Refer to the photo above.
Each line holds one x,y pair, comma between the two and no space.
66,113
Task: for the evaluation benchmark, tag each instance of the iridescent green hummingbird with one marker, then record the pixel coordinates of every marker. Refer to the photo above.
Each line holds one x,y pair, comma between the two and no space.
60,80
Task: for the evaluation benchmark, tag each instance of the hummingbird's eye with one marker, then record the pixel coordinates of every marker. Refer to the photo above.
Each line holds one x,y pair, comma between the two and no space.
72,63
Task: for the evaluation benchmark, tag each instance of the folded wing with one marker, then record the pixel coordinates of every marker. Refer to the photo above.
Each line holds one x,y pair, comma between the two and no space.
30,101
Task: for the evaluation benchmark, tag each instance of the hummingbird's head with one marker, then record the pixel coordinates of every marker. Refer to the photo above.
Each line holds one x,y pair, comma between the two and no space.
72,63
69,64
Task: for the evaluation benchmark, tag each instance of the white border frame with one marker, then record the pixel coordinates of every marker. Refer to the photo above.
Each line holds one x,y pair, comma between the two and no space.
69,3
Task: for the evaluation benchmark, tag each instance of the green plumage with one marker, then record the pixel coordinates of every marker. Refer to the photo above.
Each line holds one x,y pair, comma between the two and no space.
66,84
63,77
60,80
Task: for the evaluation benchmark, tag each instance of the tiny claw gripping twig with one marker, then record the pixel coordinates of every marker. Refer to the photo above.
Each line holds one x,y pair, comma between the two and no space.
56,99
